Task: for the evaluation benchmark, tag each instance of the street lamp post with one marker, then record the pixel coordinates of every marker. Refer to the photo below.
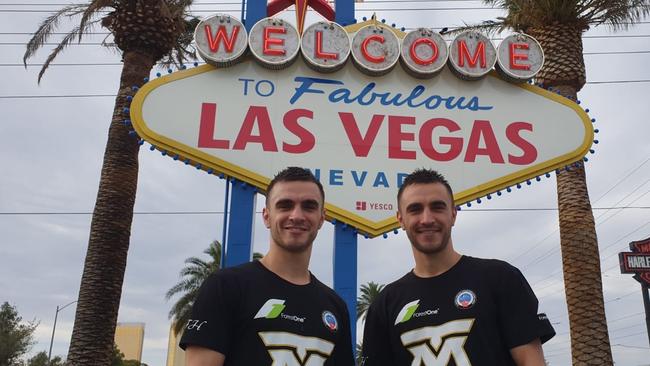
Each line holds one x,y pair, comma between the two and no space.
56,315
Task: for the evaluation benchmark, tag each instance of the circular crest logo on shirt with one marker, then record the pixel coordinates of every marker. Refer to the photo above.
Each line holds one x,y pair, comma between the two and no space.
330,321
465,299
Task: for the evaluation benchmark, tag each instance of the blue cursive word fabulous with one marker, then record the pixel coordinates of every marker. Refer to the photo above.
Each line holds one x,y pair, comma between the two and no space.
368,96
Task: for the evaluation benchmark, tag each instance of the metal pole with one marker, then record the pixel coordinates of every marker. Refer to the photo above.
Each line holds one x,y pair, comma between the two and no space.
226,210
646,305
56,315
345,271
49,354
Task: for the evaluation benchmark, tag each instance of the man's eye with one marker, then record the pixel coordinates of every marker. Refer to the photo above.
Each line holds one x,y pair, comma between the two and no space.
310,206
414,209
283,205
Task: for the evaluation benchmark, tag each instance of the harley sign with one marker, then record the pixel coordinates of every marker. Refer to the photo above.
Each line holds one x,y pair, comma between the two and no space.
360,134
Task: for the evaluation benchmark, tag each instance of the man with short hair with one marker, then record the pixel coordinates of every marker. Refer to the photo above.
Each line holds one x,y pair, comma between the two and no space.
273,311
451,309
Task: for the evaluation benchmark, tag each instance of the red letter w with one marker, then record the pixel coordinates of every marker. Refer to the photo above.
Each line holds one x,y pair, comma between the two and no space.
214,43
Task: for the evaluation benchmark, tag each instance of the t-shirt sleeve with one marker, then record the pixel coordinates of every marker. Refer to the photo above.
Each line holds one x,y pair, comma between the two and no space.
376,348
342,355
520,323
211,324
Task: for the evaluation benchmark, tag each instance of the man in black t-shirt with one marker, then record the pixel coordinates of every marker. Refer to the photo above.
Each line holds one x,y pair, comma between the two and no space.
450,310
273,311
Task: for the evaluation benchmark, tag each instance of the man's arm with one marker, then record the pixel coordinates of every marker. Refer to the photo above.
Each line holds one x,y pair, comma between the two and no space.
201,356
376,338
530,354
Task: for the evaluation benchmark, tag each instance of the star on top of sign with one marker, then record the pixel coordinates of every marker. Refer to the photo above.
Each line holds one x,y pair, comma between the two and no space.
321,6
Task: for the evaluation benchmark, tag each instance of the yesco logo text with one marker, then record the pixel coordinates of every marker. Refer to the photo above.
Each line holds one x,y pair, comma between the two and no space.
363,206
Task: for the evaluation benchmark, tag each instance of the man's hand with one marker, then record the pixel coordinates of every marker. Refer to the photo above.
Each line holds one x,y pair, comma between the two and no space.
530,354
200,356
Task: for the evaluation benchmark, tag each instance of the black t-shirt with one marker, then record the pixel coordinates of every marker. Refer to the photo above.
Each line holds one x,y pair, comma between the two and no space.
473,314
256,318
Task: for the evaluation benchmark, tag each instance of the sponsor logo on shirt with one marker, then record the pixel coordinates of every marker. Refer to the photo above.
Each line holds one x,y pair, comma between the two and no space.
407,311
293,318
426,313
330,321
288,349
465,299
271,309
195,324
437,345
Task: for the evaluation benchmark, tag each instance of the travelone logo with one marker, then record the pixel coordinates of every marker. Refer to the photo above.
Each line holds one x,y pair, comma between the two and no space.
359,134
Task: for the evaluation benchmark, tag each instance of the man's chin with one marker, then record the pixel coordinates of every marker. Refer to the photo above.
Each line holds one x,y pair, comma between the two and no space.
429,248
295,247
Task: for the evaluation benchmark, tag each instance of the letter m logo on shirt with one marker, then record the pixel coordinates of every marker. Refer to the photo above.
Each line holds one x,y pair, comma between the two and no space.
437,345
288,349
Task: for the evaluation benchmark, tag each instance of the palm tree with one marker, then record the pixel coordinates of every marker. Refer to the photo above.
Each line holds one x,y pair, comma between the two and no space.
558,25
145,31
368,295
192,276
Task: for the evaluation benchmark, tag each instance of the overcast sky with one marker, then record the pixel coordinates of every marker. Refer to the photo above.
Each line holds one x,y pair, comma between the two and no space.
52,147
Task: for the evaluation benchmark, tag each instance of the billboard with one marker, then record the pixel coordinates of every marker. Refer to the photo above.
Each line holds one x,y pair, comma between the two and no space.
361,133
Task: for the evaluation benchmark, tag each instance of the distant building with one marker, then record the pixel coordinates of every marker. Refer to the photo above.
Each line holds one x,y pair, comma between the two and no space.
175,354
129,338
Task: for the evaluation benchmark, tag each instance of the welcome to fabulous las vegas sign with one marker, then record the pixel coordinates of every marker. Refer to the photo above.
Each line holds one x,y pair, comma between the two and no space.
362,106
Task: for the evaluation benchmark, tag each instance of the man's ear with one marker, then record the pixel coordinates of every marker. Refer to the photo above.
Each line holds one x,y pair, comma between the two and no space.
454,211
265,216
399,219
322,219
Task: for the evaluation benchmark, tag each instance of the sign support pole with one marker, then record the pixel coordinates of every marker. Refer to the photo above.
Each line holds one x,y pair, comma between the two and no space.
344,12
646,306
345,271
238,248
224,235
252,12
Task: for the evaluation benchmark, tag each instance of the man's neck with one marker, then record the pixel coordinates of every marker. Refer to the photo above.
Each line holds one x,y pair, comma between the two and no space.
431,265
290,266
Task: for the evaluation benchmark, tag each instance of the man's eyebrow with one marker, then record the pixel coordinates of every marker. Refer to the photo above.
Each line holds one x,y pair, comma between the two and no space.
283,202
415,205
438,203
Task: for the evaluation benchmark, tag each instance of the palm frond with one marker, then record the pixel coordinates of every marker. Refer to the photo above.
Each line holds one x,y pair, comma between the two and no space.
196,262
91,10
488,27
369,293
184,50
45,29
622,14
181,321
196,271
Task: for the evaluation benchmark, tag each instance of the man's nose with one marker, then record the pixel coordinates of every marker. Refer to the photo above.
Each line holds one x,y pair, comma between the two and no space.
297,213
427,217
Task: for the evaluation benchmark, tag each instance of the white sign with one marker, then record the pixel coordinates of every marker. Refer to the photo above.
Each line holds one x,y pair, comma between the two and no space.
361,135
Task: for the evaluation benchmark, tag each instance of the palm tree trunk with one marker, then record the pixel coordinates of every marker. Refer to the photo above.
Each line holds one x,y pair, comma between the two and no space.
110,230
582,280
564,70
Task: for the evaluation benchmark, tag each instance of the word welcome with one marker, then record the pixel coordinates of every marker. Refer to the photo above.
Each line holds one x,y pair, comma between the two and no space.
223,40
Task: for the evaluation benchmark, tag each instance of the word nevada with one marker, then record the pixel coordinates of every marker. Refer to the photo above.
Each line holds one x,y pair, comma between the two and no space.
375,48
